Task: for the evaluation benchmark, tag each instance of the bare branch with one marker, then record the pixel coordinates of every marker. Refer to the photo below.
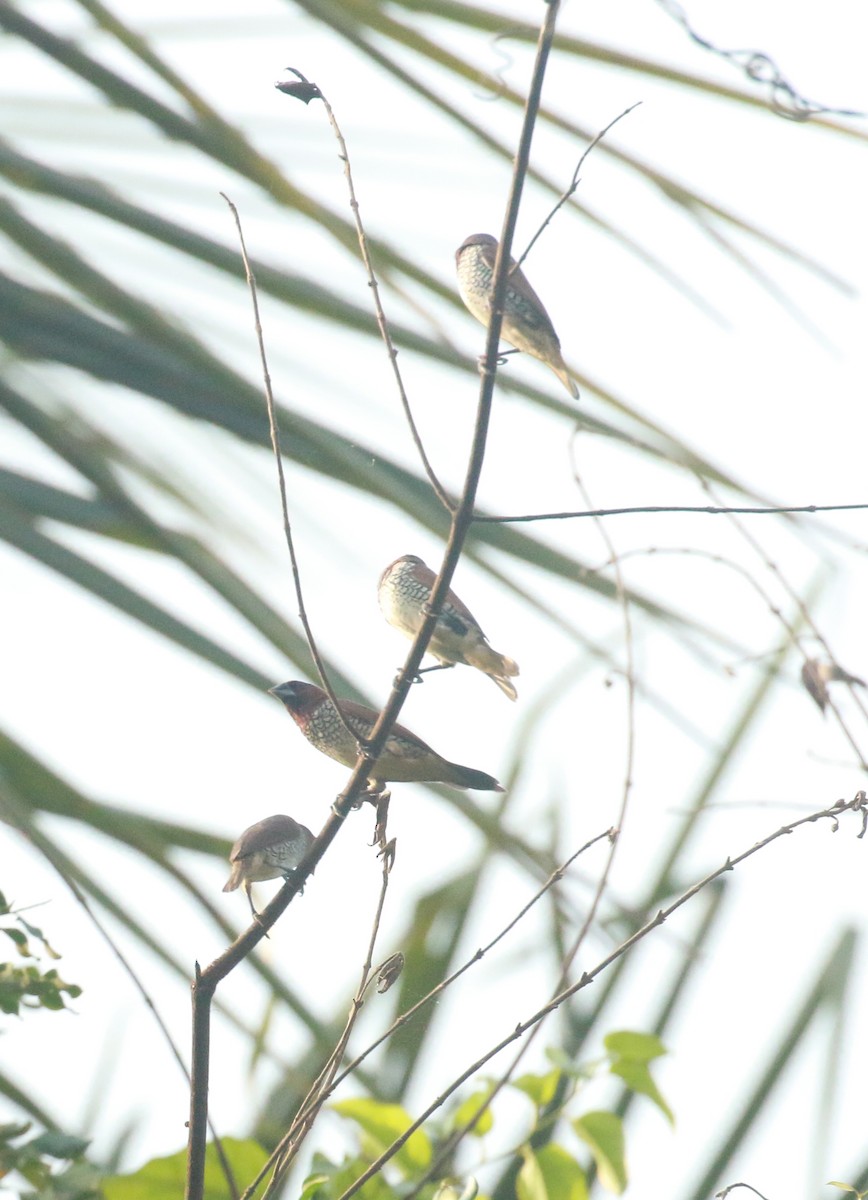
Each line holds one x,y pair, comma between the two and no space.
859,804
706,509
284,1154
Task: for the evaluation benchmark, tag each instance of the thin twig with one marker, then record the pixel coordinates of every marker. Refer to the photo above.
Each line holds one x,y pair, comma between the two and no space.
281,478
732,1186
382,322
806,617
706,509
574,183
475,958
287,1149
859,804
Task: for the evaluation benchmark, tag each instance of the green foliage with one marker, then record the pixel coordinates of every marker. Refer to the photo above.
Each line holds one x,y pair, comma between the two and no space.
603,1133
37,1160
329,1180
551,1173
630,1054
163,1178
548,1171
542,1089
381,1124
27,986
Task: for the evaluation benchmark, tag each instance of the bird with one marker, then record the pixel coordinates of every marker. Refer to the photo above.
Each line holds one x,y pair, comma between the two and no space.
404,590
816,674
272,847
526,324
405,757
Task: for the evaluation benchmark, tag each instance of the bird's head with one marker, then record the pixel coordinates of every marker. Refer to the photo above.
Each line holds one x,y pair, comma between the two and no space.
299,698
475,239
409,560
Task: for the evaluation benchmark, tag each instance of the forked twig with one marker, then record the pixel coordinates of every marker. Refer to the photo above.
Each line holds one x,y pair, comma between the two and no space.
574,182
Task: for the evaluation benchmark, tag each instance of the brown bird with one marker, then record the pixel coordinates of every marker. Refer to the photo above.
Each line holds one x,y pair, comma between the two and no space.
272,847
405,588
526,324
816,674
405,757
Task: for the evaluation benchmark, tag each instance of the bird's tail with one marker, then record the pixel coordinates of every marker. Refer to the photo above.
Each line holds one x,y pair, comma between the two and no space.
467,777
497,666
842,676
235,879
560,369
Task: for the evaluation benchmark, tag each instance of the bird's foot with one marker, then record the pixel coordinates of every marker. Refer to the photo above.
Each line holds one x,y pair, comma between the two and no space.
257,917
380,827
417,678
500,360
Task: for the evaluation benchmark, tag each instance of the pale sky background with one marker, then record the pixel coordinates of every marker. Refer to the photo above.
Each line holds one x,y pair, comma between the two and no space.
135,722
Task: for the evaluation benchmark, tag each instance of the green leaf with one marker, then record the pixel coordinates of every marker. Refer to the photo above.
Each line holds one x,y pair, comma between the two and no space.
603,1133
638,1079
540,1088
383,1123
312,1185
643,1047
329,1180
551,1174
20,941
630,1054
530,1184
60,1145
40,937
468,1108
164,1178
462,1189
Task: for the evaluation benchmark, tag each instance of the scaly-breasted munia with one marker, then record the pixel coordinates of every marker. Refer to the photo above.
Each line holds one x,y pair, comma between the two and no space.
405,757
405,588
816,674
526,324
272,847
